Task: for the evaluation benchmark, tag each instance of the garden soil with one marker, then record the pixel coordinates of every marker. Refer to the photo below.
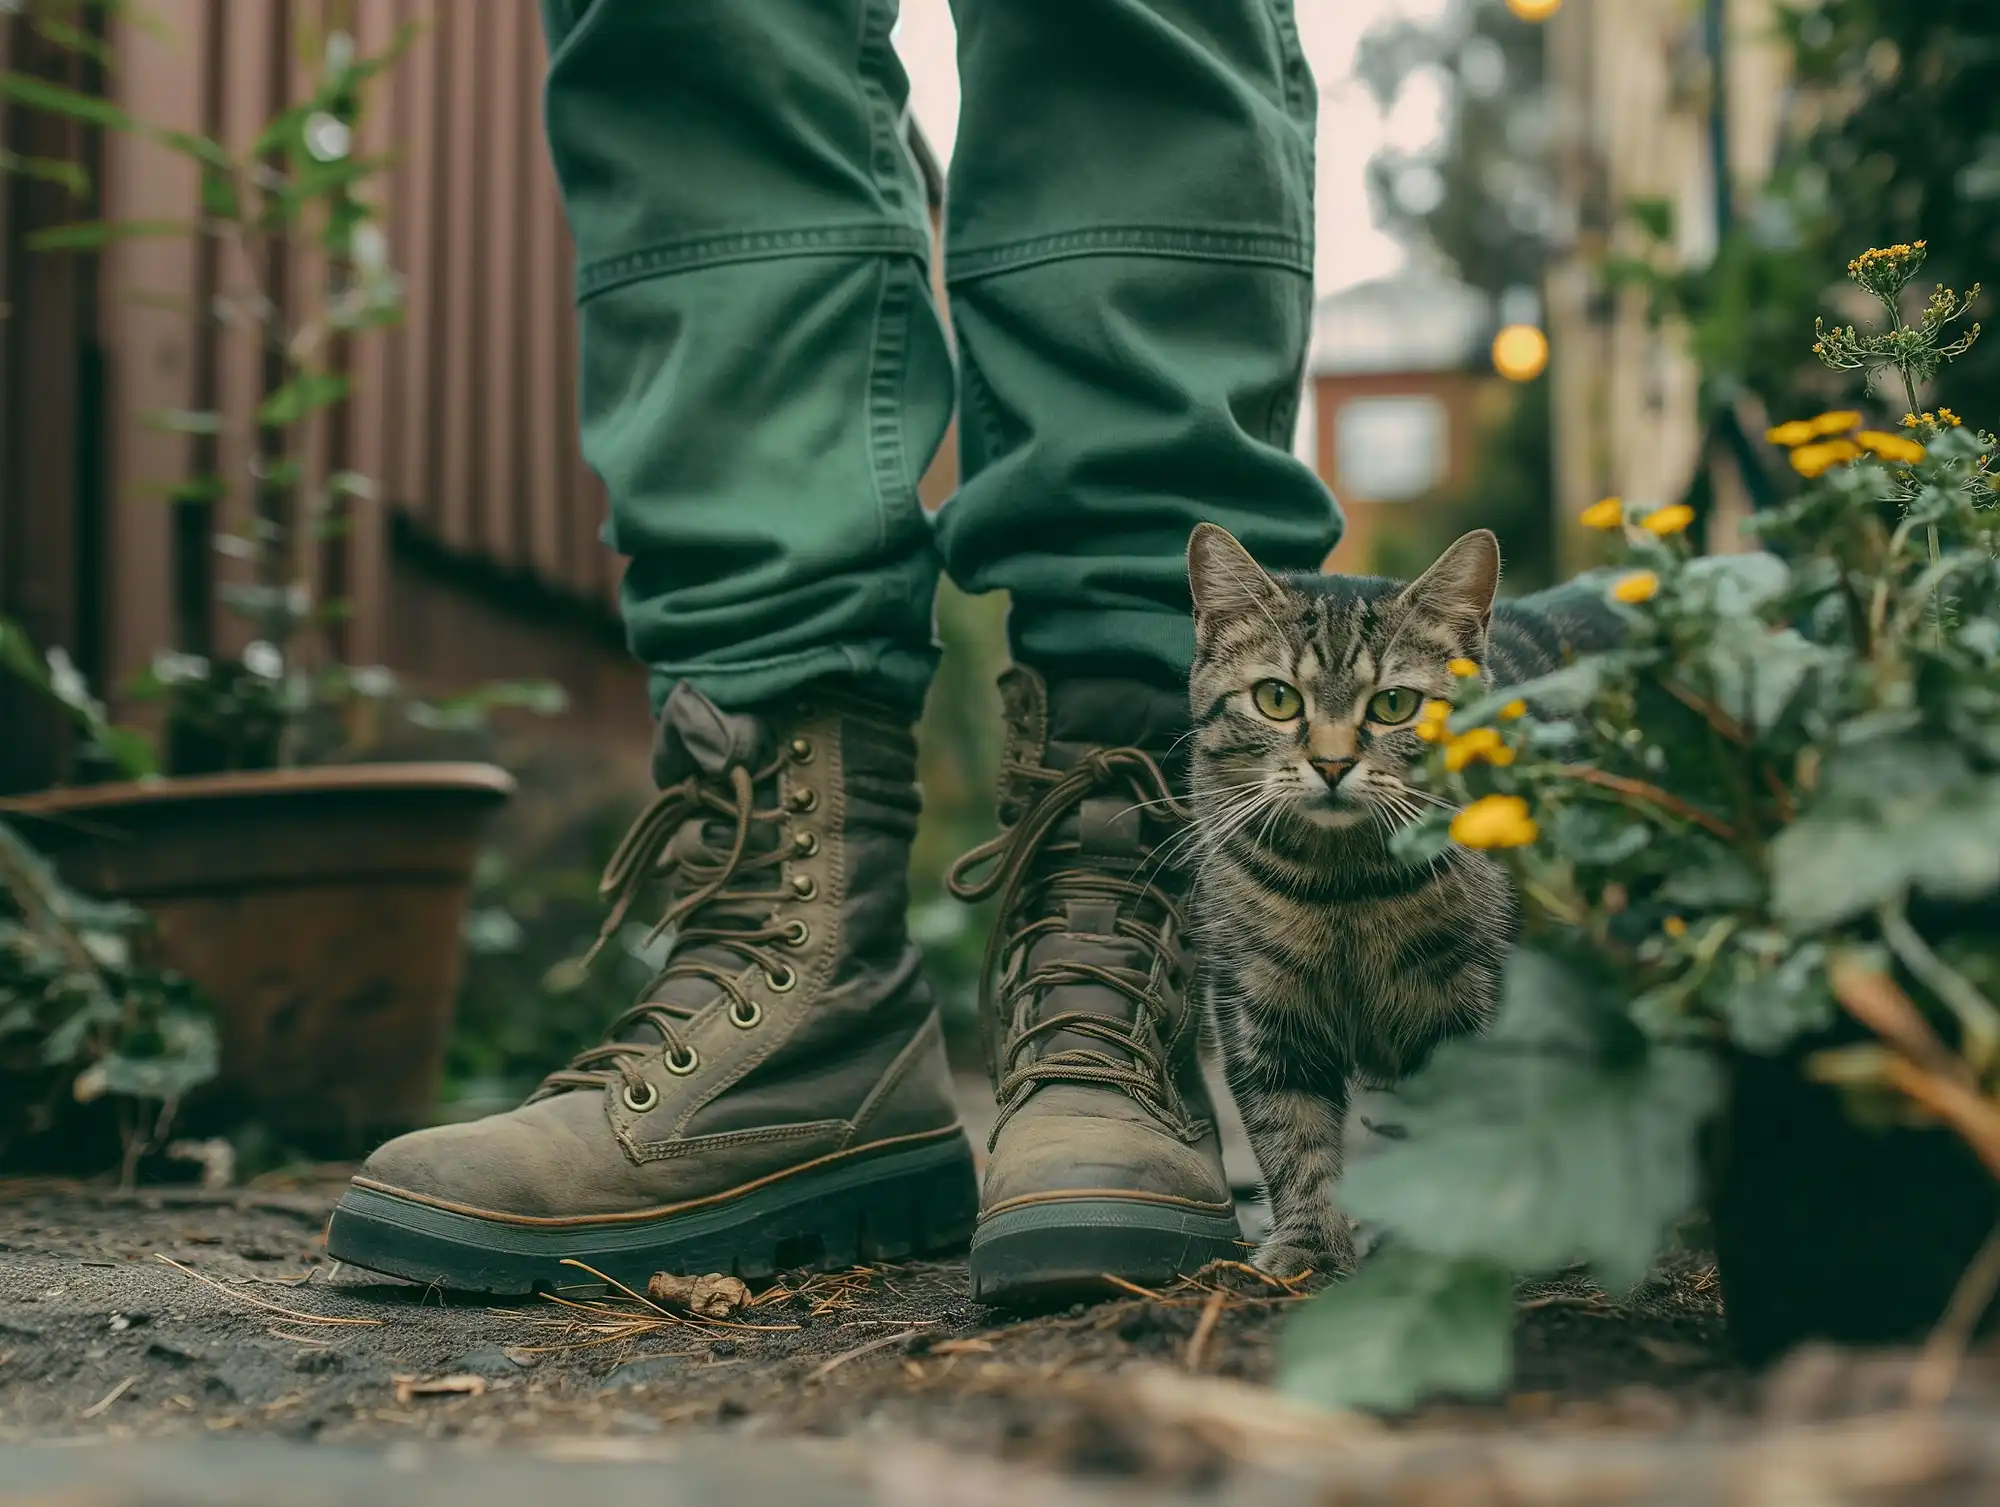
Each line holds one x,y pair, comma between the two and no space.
176,1345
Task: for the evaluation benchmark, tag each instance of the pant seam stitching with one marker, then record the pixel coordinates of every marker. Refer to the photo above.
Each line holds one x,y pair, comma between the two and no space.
750,246
1273,248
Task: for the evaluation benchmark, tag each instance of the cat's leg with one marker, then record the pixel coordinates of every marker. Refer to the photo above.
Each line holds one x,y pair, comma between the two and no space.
1296,1114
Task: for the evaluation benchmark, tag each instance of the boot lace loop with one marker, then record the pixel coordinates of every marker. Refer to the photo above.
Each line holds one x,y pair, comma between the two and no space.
672,840
1006,866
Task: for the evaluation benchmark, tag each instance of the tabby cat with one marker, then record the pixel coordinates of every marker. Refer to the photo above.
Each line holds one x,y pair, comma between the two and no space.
1330,965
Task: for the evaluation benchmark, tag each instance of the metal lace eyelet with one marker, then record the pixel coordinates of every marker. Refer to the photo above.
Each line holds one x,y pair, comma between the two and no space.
805,886
801,750
745,1013
803,799
805,843
783,983
797,934
638,1104
679,1066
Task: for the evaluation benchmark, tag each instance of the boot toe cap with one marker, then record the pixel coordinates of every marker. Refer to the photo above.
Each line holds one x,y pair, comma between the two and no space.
1084,1156
543,1160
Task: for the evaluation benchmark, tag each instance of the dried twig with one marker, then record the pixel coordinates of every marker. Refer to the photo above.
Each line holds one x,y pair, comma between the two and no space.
96,1409
1652,795
1204,1327
820,1373
1936,1370
243,1297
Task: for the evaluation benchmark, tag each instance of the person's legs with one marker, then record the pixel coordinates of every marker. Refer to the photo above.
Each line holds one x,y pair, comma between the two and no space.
764,375
1129,259
764,380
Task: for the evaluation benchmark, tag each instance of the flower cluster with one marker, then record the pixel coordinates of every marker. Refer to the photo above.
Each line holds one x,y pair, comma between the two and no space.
1820,444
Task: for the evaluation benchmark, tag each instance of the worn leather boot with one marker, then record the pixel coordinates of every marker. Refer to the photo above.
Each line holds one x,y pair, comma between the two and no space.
1105,1159
778,1097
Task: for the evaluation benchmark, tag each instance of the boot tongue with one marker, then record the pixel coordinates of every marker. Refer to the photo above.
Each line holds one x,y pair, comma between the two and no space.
1106,835
695,736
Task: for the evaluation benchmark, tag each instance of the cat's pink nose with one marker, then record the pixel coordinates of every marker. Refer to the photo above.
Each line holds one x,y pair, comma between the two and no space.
1333,771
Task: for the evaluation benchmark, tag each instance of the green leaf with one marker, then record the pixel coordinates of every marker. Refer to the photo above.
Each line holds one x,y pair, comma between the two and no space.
1723,883
1758,672
1597,833
182,420
1409,1325
1895,815
1538,1146
92,235
1767,1009
1734,585
1560,693
55,99
57,170
304,394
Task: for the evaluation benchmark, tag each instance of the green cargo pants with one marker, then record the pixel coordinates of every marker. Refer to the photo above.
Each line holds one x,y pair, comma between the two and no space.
765,377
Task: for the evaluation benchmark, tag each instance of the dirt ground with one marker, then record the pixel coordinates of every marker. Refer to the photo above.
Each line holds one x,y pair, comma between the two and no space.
180,1315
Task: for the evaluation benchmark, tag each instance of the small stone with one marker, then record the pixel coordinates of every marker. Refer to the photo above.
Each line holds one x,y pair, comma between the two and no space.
722,1348
487,1360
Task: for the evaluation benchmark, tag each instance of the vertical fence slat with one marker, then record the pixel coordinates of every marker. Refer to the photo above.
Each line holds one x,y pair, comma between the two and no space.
544,299
368,406
311,442
150,348
503,130
250,44
460,38
413,242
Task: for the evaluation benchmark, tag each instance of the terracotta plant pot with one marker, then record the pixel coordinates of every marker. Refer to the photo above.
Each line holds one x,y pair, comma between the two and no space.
1830,1230
321,908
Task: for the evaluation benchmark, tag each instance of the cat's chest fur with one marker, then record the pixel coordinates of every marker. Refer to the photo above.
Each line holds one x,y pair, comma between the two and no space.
1358,959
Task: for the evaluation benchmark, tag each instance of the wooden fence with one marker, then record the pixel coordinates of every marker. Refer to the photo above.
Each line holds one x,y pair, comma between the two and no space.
465,415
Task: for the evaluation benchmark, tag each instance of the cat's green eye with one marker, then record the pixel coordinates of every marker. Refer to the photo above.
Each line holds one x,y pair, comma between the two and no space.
1395,706
1278,701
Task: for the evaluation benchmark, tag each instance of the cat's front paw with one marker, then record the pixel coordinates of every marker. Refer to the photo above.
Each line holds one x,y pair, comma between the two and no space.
1290,1255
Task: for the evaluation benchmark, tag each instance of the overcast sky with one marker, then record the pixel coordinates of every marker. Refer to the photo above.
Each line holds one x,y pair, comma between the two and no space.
1351,249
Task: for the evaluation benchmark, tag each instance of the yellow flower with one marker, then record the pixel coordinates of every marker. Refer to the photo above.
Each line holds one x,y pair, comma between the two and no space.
1500,757
1464,669
1638,586
1674,927
1668,520
1513,710
1431,719
1495,821
1890,446
1838,422
1608,514
1817,460
1796,433
1468,748
1949,419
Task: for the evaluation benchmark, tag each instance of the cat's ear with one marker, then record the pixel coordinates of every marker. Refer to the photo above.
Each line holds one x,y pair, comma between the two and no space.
1460,586
1225,581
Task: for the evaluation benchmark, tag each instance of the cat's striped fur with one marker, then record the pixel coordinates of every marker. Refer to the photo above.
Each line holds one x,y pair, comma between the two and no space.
1330,965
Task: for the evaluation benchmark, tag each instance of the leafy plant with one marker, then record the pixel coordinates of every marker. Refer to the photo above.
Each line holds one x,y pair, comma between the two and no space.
1732,832
82,1019
299,184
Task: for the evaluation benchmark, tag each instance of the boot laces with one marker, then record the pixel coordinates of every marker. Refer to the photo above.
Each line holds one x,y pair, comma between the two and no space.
1033,895
696,835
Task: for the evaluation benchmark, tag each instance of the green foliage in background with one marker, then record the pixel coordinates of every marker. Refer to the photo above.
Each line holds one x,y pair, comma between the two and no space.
83,1020
1721,830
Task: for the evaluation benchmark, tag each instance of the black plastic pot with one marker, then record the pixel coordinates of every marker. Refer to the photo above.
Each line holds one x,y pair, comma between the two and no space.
1830,1230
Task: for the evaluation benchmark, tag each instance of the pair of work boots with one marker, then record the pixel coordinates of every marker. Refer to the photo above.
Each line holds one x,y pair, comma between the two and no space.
779,1097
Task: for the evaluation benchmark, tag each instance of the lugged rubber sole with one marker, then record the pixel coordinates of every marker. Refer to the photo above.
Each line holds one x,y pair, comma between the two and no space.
1067,1247
910,1201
